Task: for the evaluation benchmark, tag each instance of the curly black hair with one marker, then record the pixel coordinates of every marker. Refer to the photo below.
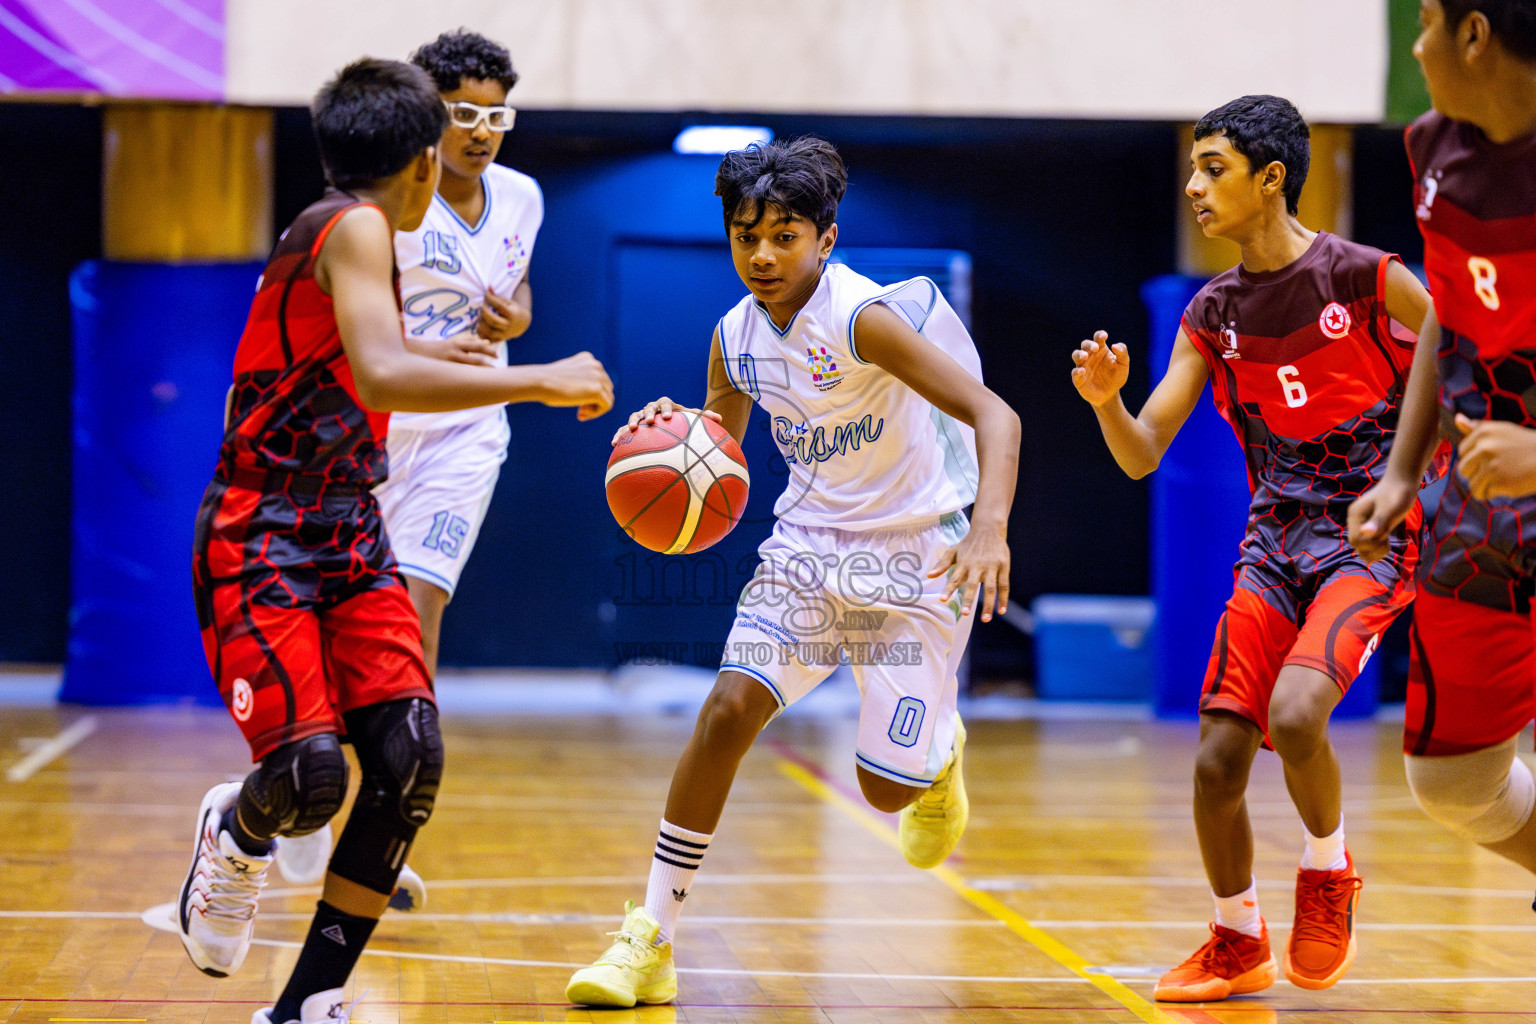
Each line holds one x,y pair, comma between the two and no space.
455,56
1265,129
803,177
373,118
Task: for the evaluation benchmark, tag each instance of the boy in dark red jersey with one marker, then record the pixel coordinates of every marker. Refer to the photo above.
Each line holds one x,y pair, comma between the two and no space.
1472,689
1297,346
307,624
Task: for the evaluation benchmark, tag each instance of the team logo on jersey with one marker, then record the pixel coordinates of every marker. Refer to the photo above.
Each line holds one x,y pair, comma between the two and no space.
1229,338
242,701
824,372
1334,320
516,255
1430,187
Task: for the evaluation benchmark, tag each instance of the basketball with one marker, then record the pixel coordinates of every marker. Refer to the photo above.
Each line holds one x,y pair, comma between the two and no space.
677,485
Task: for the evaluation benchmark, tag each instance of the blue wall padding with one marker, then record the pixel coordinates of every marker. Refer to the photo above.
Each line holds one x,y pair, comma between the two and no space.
153,349
1199,510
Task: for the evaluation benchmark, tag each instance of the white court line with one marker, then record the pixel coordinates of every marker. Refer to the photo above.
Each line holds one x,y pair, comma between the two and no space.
907,877
159,917
24,769
535,920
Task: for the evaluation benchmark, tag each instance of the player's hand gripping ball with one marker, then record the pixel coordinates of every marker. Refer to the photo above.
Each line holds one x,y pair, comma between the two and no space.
679,484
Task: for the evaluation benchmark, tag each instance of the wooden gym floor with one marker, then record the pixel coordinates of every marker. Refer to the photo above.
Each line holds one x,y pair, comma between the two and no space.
1077,883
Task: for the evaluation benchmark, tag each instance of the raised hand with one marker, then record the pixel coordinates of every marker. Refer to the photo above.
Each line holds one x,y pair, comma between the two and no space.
1100,369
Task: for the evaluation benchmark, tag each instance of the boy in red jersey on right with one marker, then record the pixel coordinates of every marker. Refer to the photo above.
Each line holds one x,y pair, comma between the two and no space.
1472,687
1297,346
306,621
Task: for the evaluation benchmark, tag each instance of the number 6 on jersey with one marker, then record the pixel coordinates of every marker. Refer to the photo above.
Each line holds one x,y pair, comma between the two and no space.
1290,383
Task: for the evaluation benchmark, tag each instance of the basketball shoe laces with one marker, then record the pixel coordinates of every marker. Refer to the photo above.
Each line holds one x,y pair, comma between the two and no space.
1320,910
634,948
931,803
1219,956
232,887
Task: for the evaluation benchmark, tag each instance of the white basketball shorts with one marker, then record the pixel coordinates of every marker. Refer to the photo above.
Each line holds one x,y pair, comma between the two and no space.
823,597
439,487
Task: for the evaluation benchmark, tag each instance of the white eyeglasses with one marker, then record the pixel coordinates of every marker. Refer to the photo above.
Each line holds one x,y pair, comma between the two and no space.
465,114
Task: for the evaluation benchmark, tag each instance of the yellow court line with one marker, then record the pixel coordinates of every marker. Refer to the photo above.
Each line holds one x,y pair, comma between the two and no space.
987,904
104,1020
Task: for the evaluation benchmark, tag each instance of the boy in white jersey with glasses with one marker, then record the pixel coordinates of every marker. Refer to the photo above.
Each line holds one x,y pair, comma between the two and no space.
463,286
879,410
464,293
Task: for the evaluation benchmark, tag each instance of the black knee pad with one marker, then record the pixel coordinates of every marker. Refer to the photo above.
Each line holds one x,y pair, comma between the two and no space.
400,751
296,789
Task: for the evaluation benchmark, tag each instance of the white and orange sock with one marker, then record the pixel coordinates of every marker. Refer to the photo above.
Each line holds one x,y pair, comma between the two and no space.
1240,913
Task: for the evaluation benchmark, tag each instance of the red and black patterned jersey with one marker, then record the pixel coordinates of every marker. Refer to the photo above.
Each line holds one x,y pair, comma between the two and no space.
295,407
1476,205
1305,367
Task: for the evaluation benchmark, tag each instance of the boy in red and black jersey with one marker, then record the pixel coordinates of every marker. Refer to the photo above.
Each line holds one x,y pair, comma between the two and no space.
1297,344
1472,689
306,622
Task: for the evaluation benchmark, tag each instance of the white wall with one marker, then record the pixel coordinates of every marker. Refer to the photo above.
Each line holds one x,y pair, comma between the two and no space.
1170,59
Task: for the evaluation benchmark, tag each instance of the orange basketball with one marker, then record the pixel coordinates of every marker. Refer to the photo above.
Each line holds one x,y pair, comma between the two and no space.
677,485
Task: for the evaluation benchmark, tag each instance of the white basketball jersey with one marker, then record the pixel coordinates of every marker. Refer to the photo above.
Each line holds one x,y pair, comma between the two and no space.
447,266
865,452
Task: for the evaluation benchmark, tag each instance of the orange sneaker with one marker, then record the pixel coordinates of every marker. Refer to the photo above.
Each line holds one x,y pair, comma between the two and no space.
1231,964
1322,944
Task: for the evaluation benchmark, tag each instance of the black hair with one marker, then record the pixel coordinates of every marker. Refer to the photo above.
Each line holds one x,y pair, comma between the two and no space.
373,119
455,56
804,177
1513,22
1265,129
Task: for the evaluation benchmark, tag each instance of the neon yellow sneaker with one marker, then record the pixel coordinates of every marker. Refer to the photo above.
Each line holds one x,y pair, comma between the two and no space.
634,970
932,825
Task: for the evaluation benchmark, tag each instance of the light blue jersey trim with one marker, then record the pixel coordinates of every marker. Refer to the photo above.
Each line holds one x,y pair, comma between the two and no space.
961,469
773,326
485,214
725,357
869,764
755,674
908,314
427,576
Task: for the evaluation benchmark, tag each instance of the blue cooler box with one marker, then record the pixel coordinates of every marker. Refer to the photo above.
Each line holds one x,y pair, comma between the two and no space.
1093,647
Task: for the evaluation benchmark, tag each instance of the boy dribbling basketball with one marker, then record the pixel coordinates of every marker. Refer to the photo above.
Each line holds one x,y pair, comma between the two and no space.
874,395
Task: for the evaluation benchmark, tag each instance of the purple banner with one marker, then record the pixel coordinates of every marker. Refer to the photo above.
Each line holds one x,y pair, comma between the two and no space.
160,49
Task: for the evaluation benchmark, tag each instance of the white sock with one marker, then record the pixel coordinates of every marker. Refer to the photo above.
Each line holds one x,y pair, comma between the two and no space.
679,853
1325,854
1240,913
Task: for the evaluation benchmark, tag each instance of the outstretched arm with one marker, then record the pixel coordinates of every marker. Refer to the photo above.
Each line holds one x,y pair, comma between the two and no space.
1100,371
982,558
355,268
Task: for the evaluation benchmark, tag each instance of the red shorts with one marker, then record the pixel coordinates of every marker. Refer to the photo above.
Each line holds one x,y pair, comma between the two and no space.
1472,677
1344,622
303,613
